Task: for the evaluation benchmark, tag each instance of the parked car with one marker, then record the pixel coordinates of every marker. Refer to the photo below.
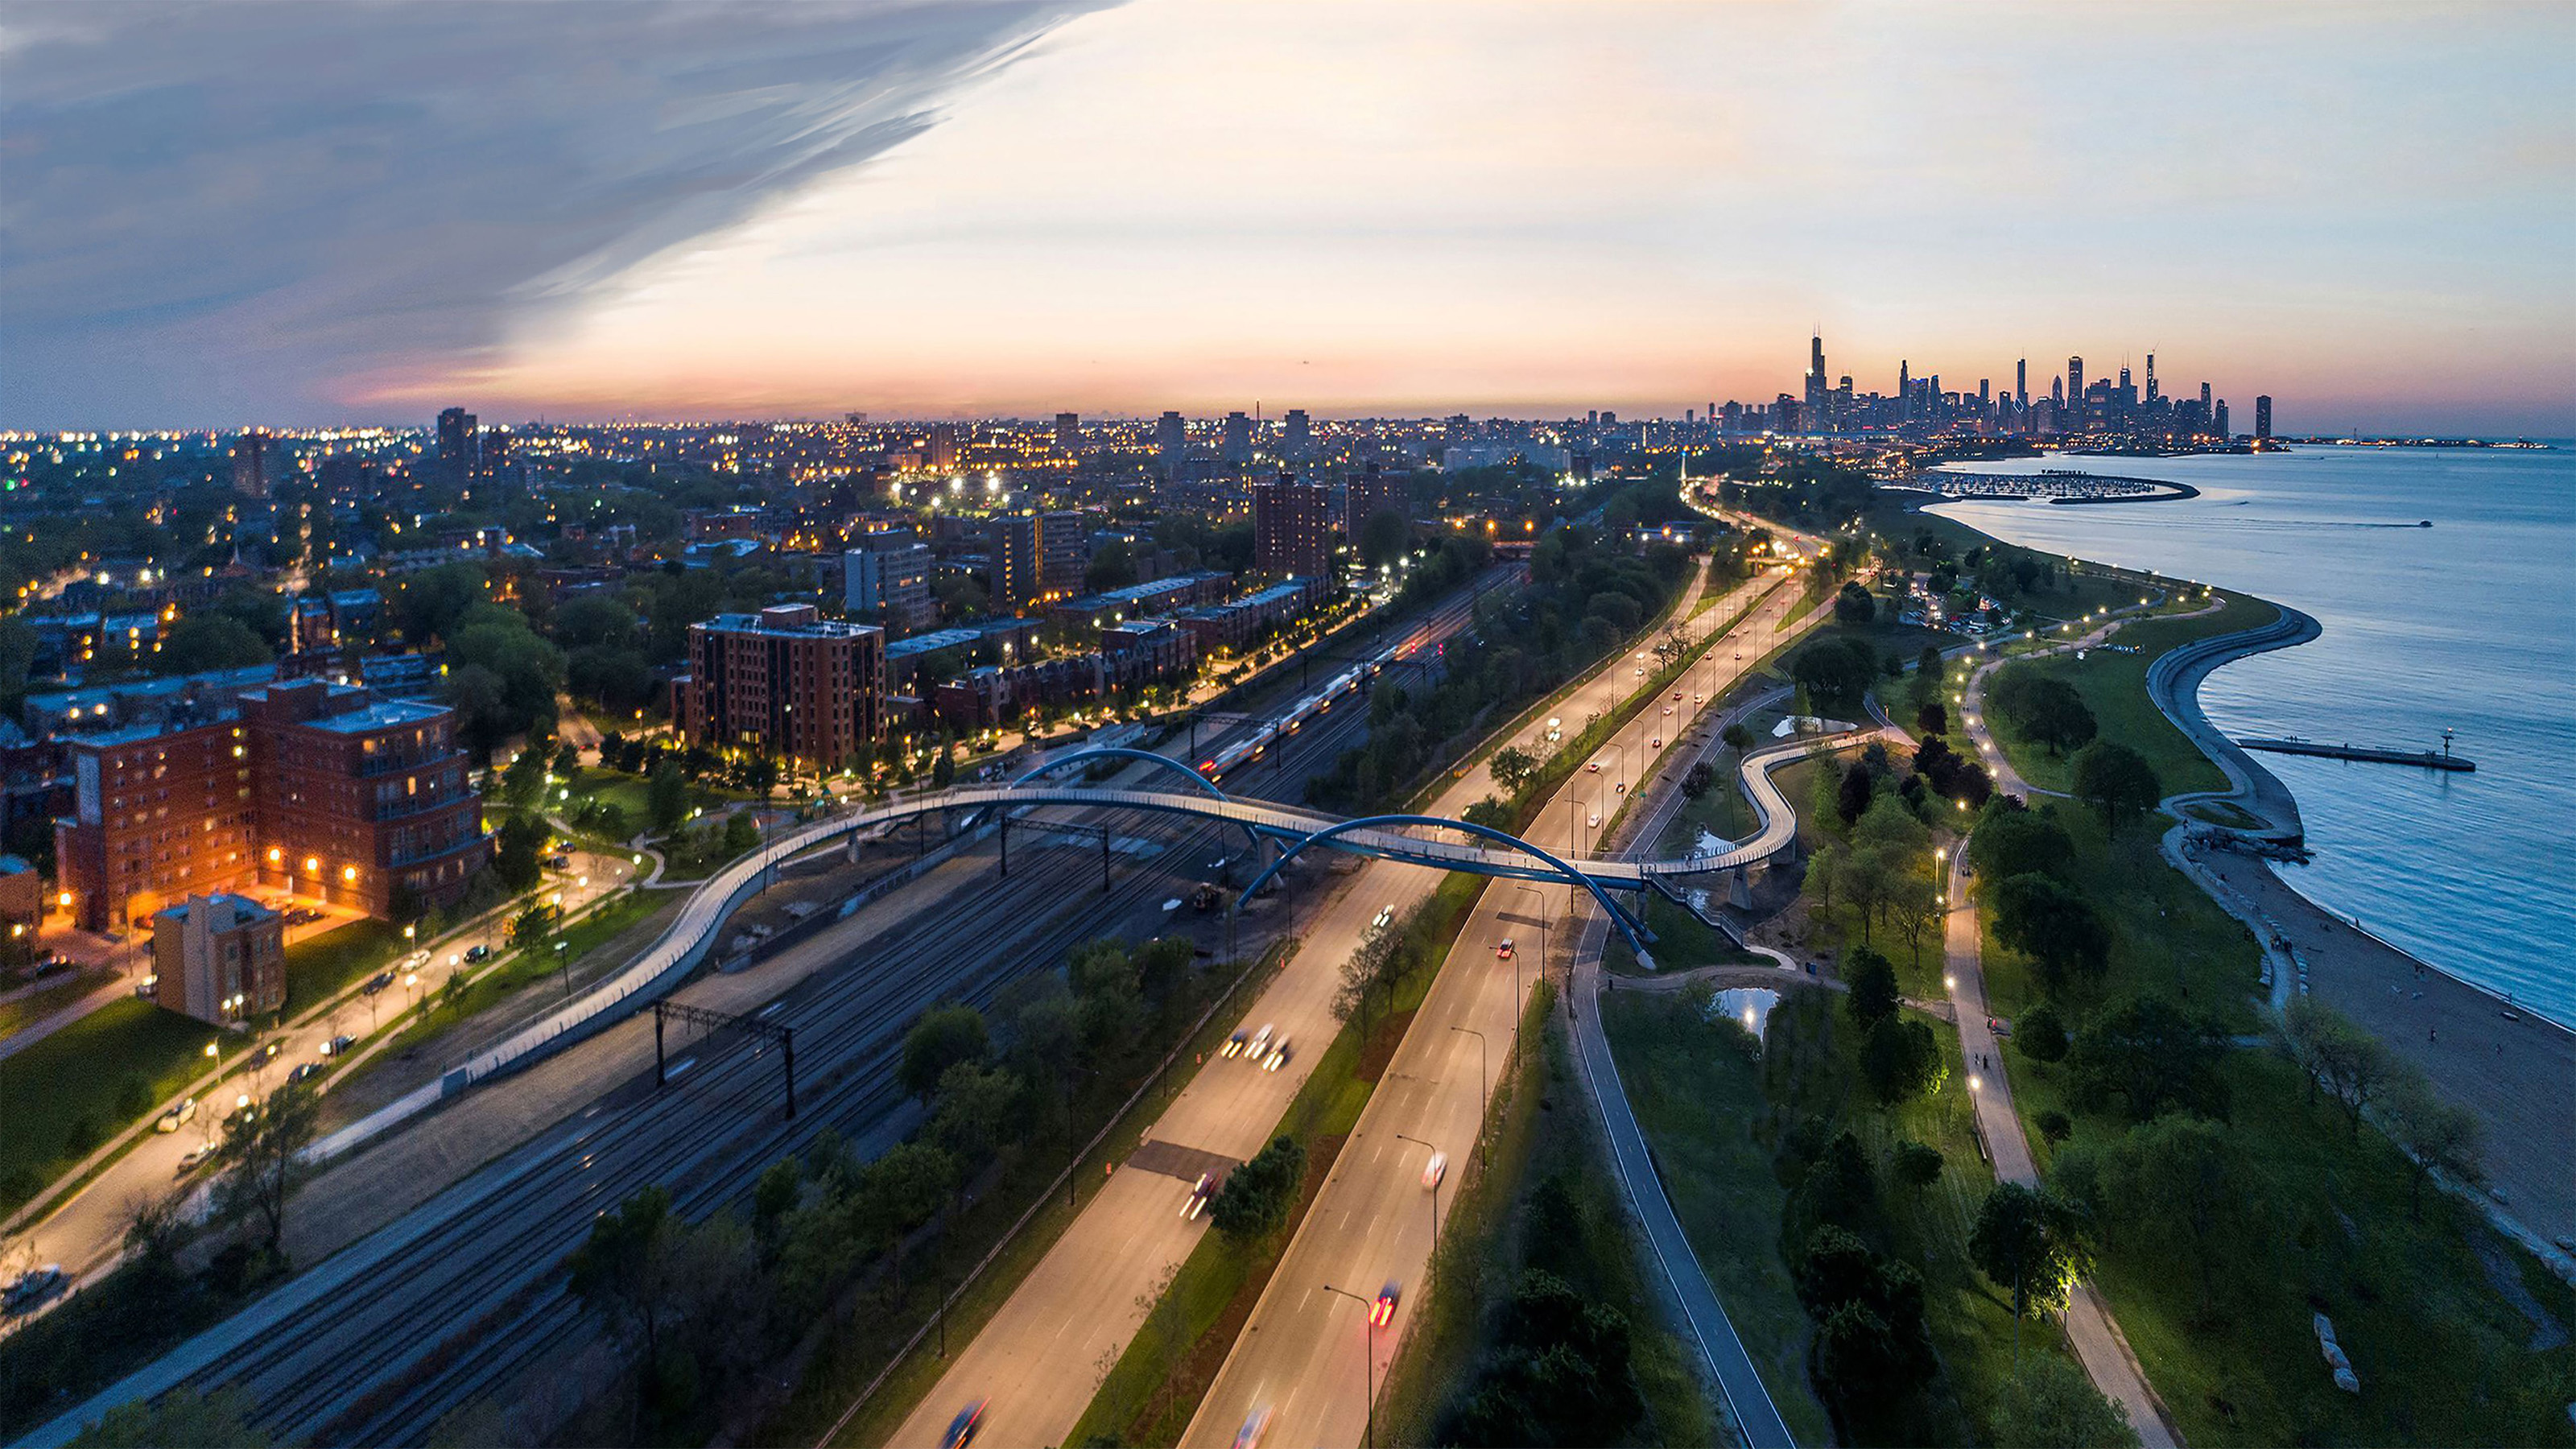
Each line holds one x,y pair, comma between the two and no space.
478,953
376,983
32,1288
305,1072
177,1117
193,1158
338,1044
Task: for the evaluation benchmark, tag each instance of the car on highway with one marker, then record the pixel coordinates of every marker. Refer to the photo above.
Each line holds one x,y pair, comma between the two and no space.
1592,767
1677,698
32,1288
1619,789
1235,1044
1200,1192
1503,952
338,1044
1382,1312
478,953
1384,915
177,1117
1596,820
1656,743
305,1072
1668,709
1259,1044
1278,1056
961,1430
1436,1169
1254,1426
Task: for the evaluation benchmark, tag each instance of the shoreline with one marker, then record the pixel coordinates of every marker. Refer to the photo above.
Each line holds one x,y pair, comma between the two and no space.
2505,1062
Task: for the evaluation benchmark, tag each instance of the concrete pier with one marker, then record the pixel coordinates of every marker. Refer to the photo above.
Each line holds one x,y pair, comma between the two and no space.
2376,754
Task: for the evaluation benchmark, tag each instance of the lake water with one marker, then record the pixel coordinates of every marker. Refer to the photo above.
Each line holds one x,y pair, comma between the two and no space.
2469,625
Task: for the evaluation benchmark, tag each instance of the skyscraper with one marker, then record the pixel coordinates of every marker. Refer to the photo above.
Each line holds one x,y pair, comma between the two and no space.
1238,438
1816,385
2263,418
2219,425
1171,441
1367,496
2151,380
1298,435
250,465
1068,433
2021,384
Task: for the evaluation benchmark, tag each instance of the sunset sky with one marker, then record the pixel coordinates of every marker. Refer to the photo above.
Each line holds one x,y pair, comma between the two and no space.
213,215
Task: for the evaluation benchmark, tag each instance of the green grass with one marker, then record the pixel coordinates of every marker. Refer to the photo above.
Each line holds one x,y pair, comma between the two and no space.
1682,941
519,970
75,1076
35,1006
320,967
2114,687
1696,1088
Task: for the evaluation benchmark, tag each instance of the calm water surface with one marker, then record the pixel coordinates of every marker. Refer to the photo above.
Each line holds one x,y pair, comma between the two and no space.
2469,624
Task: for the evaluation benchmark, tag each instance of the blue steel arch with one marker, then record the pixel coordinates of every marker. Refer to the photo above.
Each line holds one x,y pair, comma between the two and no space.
1618,916
1121,752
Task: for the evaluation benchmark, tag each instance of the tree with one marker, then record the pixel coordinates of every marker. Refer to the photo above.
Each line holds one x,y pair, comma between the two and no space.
1873,996
1512,767
1917,1165
943,1037
209,641
262,1157
2115,780
1901,1060
1852,800
1873,1347
518,856
2152,1057
2436,1135
219,1420
2026,1242
1259,1195
742,833
623,1273
1931,720
974,1111
1854,605
2050,1404
2353,1065
666,797
1737,737
2057,928
1384,536
567,762
2055,1126
2056,716
1697,780
2008,843
2039,1034
1836,672
531,926
1113,567
1376,966
2180,1186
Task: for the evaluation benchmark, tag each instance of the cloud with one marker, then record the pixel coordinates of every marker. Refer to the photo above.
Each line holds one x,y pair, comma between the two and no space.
218,213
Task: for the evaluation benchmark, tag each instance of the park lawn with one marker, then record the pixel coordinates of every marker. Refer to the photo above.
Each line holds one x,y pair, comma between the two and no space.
35,1006
2087,588
319,967
74,1077
1681,942
2168,938
1696,1088
632,795
2114,687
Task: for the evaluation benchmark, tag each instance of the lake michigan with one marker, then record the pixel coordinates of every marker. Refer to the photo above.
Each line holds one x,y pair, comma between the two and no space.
2468,625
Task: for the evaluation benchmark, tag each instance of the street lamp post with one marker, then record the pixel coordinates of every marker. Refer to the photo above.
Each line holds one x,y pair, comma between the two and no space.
1483,1093
563,967
1368,1365
1435,1190
1543,932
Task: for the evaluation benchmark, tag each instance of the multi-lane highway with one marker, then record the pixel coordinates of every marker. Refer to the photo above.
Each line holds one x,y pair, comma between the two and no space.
1038,1361
1301,1352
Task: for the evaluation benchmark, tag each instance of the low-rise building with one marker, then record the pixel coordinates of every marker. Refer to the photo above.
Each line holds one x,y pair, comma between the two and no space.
219,958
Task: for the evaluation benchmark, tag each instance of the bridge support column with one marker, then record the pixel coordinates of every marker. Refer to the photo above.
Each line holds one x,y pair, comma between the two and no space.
1739,888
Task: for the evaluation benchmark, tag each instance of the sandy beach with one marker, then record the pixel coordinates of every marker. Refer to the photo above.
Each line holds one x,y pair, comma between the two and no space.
2518,1076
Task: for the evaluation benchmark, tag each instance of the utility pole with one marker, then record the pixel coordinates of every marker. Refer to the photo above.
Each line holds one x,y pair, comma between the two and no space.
1368,1365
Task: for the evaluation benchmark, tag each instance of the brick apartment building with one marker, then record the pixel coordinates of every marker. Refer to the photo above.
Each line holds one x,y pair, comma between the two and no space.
327,790
219,958
784,682
1291,530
